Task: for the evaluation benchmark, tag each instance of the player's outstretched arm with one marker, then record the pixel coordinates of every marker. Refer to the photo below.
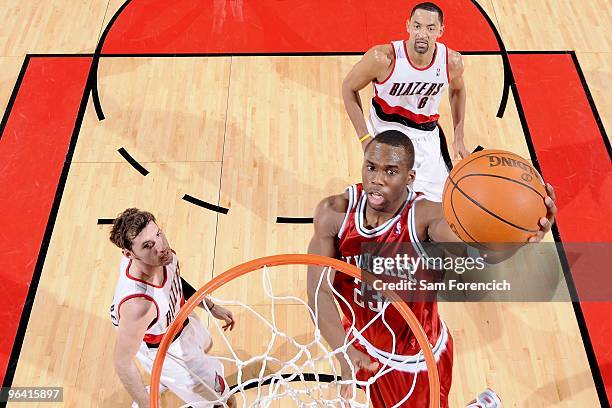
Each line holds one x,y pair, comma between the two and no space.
373,64
136,315
457,95
327,221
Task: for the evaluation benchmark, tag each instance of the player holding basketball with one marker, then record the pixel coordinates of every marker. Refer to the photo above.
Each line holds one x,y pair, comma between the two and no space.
384,210
148,296
409,79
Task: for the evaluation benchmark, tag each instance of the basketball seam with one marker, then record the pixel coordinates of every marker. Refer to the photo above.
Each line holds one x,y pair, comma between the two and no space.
505,178
455,213
486,210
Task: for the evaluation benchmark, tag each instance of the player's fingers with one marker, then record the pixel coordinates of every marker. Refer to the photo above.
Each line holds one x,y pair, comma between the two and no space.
346,391
551,191
537,237
545,223
373,366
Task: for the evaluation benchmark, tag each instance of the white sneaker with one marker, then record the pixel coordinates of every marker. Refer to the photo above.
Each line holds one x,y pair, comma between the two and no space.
487,399
162,389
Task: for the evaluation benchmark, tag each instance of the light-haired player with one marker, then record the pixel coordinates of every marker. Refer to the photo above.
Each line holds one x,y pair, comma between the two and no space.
148,296
409,79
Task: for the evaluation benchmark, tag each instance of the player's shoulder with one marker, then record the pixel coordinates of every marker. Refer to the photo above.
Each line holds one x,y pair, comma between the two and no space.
330,212
455,62
427,213
137,307
381,54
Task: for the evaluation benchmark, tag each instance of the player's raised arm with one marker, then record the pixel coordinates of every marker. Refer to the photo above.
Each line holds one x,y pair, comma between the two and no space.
327,221
457,96
136,316
373,65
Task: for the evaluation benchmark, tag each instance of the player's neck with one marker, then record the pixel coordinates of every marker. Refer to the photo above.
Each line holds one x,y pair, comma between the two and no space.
148,273
375,218
417,59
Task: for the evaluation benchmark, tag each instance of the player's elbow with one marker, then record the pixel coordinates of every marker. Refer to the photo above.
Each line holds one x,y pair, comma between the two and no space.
349,89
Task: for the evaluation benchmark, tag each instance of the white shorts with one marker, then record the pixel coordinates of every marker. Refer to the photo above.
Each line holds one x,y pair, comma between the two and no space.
429,165
186,365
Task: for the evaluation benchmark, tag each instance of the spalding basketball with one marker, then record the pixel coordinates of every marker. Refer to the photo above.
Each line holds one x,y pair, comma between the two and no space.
494,196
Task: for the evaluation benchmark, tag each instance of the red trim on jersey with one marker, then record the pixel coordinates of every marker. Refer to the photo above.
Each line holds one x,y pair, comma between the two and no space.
433,59
398,110
392,68
136,295
447,73
127,273
153,338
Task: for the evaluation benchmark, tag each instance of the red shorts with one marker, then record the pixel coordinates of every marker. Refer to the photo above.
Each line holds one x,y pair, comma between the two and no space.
392,387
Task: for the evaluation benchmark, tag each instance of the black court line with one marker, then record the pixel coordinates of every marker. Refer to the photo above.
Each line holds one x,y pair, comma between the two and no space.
262,54
204,204
44,246
478,148
508,77
270,54
569,280
327,378
294,220
11,102
587,92
93,73
133,162
106,221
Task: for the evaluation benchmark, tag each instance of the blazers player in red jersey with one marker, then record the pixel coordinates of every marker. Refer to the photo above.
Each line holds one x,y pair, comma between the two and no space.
384,209
409,78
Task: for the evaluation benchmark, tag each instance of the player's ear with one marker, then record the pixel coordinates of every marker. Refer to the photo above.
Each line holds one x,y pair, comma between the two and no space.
441,30
411,175
127,254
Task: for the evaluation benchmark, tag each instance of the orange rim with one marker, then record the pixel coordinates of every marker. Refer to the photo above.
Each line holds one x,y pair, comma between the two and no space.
292,259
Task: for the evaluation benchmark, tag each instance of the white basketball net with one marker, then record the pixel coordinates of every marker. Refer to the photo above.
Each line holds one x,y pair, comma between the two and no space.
288,381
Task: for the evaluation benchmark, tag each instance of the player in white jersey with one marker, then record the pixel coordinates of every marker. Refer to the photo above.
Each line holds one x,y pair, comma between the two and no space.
148,296
409,79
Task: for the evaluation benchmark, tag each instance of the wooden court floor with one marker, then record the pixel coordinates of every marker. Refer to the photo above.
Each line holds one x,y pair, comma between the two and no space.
276,140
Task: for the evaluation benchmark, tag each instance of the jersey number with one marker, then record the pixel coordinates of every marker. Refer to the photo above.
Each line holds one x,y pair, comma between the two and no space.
358,297
422,102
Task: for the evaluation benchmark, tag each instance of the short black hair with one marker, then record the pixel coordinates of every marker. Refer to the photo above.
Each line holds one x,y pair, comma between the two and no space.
397,139
429,7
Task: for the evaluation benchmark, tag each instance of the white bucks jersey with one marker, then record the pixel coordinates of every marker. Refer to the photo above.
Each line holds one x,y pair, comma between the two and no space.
411,96
167,298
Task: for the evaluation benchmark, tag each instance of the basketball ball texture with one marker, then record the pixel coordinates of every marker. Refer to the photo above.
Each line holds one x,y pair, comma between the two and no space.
494,196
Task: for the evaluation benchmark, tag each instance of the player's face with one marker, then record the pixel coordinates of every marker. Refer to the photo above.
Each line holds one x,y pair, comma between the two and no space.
151,247
424,29
385,175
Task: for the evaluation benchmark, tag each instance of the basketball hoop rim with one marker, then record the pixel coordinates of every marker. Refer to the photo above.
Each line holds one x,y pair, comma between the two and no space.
291,259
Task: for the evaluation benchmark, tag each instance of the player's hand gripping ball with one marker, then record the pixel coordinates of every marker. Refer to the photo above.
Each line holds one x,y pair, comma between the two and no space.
495,196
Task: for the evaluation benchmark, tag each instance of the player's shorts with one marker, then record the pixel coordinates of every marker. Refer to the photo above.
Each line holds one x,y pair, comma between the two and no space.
186,365
392,388
429,165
